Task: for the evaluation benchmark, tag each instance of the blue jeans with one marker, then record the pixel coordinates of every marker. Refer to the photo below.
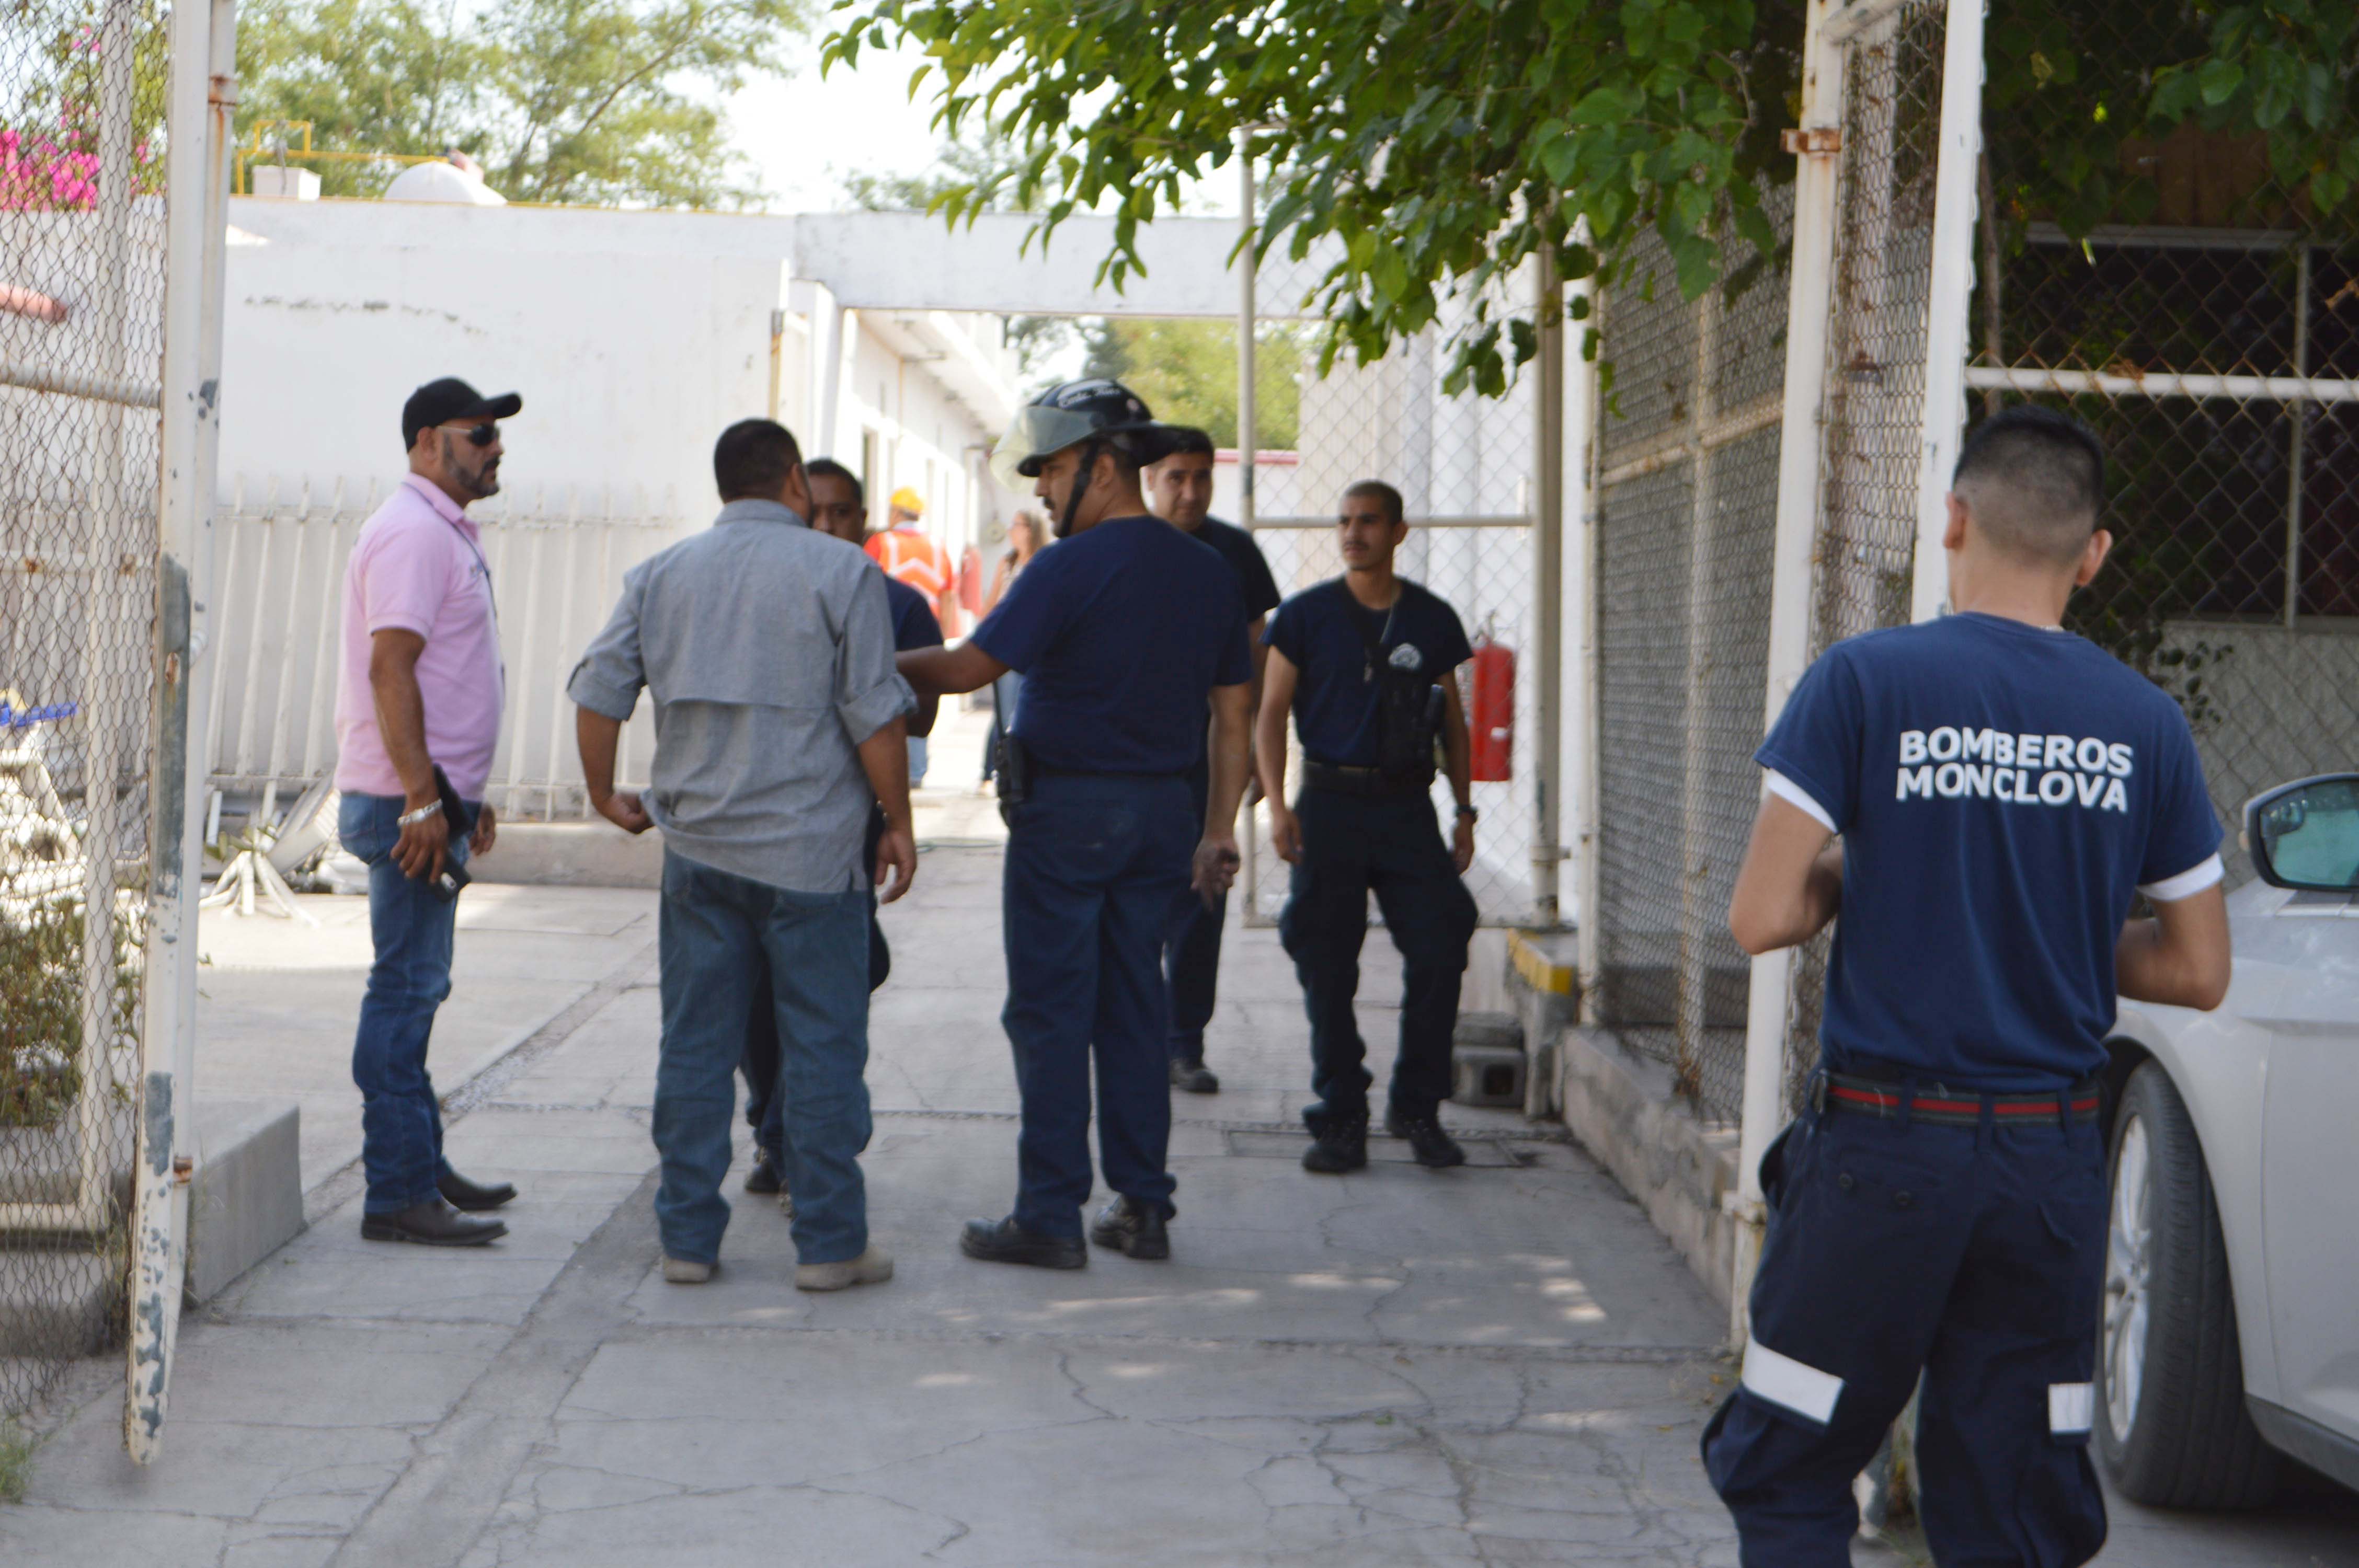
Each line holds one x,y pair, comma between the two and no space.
1094,871
718,933
410,926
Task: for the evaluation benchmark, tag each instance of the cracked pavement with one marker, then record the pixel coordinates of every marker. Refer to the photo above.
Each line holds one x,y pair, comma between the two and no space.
1499,1365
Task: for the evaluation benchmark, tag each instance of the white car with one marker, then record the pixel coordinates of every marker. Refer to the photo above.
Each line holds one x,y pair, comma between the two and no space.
2231,1327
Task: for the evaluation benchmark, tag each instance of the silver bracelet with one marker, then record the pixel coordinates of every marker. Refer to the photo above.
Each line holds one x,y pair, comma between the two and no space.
408,818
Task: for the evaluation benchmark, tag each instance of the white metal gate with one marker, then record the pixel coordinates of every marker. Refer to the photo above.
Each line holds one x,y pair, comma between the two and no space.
110,223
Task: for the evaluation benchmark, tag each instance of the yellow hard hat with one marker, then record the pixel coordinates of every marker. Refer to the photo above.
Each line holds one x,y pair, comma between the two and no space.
909,501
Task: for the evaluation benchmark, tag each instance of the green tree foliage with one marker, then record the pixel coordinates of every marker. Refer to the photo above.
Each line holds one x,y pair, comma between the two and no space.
1444,142
615,101
1186,371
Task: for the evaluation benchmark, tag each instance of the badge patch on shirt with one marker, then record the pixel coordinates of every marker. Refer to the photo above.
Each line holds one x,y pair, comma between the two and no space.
1406,657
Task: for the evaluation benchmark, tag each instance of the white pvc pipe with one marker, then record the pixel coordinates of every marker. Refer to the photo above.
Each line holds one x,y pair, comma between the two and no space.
2163,383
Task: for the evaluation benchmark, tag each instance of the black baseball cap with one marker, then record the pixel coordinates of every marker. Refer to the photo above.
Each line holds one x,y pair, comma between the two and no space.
441,402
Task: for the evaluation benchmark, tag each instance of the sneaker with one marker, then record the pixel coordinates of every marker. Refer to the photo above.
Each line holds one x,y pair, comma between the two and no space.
872,1267
763,1177
1339,1145
1128,1225
786,1202
1005,1242
1189,1075
1434,1149
685,1270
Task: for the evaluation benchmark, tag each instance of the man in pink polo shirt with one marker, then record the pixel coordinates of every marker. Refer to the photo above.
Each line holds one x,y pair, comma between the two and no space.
418,697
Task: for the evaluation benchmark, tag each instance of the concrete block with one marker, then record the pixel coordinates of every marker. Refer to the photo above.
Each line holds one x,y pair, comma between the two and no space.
245,1200
592,854
57,1303
1485,1075
1487,1063
1545,987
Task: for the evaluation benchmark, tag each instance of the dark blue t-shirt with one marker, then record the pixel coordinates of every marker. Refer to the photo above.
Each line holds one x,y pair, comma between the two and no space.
1120,632
1237,547
2001,792
1323,632
914,625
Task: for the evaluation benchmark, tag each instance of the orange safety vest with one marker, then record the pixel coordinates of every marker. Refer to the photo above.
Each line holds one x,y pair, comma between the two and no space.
911,557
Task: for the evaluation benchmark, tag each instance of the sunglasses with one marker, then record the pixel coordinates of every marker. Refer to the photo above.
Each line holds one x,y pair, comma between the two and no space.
478,435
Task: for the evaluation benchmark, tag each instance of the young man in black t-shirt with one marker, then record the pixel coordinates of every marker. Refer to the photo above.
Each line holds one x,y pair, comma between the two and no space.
1179,488
1348,659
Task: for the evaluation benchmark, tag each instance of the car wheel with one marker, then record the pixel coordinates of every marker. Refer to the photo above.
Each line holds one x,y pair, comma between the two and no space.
2172,1430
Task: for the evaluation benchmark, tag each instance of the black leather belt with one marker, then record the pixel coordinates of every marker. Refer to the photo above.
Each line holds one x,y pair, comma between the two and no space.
1368,781
1953,1107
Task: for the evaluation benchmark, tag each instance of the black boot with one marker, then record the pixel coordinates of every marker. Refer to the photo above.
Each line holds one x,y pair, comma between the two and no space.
460,1193
1189,1075
430,1224
1340,1144
763,1176
1128,1225
1435,1150
1005,1242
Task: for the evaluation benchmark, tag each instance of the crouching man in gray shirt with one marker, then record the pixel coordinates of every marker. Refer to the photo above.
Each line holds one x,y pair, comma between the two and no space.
778,720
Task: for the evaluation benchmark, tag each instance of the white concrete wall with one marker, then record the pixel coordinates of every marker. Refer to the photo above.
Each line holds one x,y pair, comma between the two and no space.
630,358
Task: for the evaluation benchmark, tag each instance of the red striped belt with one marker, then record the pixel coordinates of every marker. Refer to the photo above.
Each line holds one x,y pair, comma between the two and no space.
1958,1107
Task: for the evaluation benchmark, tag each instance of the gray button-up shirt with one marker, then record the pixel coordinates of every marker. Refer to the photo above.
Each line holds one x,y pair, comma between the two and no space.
769,651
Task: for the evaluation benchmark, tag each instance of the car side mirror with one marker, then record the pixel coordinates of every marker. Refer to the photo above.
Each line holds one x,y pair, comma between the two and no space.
2305,835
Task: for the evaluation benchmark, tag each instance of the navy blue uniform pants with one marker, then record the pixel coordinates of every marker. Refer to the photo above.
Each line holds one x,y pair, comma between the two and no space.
1972,1255
1094,871
1191,957
1390,846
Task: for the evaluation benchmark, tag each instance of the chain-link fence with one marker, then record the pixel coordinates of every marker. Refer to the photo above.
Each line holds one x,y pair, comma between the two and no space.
1465,467
1687,493
82,86
2215,354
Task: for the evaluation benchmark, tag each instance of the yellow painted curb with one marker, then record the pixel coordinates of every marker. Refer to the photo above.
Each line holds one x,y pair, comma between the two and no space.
1539,970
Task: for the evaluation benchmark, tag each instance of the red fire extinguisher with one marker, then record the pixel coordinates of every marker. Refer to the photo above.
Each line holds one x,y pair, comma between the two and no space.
970,581
1490,710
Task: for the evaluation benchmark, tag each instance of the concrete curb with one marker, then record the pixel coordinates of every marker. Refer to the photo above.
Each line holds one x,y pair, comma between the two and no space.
1682,1170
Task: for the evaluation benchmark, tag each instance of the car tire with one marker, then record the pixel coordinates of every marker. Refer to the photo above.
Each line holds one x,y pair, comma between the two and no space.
2171,1427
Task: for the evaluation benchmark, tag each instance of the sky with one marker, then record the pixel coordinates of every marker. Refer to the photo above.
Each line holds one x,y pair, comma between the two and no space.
804,133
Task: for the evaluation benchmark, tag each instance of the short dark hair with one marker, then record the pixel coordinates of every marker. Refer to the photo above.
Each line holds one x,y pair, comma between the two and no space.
2034,480
1187,441
1395,510
753,459
828,468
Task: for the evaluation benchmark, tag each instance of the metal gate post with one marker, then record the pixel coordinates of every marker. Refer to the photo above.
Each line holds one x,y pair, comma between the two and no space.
203,100
1949,301
1248,308
1817,140
1548,588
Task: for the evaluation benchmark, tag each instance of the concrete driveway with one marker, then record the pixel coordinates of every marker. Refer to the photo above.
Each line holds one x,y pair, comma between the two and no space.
1498,1365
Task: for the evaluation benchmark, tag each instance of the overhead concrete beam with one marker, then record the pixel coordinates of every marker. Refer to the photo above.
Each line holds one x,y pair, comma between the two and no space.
906,259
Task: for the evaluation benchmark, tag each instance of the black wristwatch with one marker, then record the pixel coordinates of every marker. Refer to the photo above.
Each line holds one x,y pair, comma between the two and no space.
1468,814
